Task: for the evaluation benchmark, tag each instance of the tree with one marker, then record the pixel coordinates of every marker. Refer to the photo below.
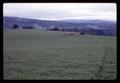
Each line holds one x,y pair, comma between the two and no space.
15,26
81,33
28,27
55,29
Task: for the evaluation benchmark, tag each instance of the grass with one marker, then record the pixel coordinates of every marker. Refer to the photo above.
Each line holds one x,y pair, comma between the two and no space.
36,54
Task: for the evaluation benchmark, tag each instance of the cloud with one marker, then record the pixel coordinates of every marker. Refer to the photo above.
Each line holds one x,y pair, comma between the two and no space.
105,11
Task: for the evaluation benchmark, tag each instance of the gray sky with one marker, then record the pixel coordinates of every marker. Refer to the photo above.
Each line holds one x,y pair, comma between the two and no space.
56,11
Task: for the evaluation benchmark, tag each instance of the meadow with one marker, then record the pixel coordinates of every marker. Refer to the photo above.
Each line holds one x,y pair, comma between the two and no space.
39,54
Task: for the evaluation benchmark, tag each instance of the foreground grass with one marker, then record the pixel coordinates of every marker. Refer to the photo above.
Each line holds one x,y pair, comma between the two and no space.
34,54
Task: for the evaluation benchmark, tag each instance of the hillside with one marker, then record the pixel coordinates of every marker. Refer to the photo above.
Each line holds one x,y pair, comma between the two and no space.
9,21
106,27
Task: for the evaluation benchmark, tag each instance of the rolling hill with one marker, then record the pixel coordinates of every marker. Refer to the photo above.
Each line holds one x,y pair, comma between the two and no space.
106,27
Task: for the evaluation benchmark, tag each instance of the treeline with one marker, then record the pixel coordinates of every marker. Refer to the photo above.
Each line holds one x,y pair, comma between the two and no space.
15,26
91,31
73,29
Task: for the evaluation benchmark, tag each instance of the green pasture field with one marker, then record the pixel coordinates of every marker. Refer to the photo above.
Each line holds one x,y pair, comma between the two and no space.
38,54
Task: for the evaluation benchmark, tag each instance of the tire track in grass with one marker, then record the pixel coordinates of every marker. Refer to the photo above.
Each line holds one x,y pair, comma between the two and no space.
105,70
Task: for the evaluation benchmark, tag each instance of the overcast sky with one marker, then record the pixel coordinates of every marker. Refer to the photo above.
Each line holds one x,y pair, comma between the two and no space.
56,11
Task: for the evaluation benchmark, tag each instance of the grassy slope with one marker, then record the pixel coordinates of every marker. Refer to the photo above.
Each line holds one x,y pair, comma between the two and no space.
34,54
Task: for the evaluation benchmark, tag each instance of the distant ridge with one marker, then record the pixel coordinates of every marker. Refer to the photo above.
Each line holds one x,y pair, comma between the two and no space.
9,21
109,26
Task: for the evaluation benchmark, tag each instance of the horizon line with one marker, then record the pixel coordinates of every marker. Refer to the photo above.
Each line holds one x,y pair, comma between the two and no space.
58,19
